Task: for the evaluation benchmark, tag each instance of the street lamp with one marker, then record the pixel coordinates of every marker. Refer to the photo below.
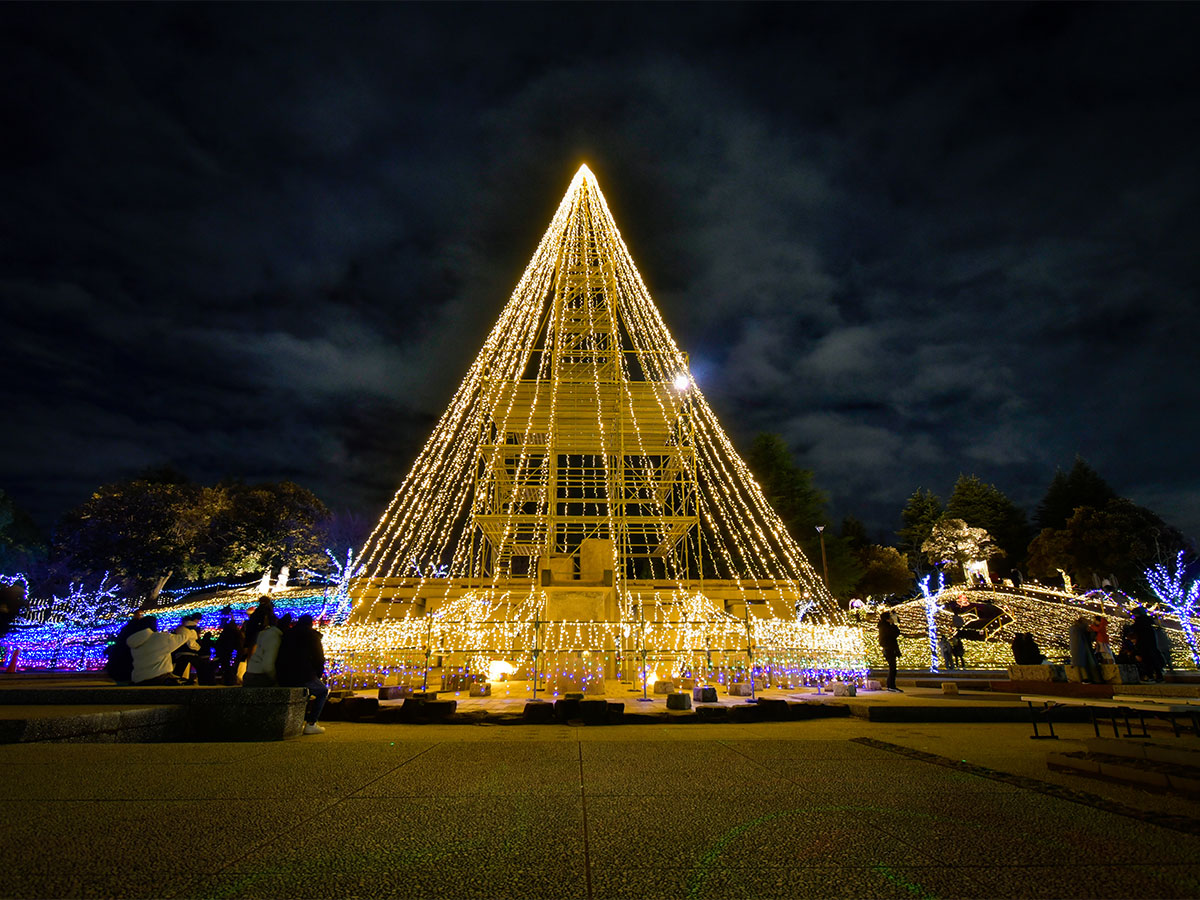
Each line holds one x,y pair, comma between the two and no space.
824,561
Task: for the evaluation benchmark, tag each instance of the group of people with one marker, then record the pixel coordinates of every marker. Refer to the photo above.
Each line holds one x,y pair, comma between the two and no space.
1144,644
276,652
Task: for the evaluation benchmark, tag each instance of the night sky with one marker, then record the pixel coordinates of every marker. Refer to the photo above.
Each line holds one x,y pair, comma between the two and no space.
266,241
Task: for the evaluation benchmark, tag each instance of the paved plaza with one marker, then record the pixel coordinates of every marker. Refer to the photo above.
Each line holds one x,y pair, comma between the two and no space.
824,808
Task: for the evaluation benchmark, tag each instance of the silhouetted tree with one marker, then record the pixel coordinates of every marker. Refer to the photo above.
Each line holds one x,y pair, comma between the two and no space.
1121,539
854,533
256,527
150,530
139,529
22,544
1068,491
790,491
919,515
885,572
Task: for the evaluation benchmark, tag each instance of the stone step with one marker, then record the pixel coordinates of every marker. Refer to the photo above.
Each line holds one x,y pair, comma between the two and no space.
1175,754
1143,773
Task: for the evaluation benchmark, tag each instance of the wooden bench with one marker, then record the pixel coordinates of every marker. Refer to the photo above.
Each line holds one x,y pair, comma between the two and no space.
1113,709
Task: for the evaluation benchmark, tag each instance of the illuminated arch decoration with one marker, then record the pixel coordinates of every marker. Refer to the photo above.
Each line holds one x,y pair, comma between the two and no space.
578,506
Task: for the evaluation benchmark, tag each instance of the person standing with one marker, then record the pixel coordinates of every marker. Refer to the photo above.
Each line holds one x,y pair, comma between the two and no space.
1149,661
301,663
1080,635
1100,631
889,642
1162,641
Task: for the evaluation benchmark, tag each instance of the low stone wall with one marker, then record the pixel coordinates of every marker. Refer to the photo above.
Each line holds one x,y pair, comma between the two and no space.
208,713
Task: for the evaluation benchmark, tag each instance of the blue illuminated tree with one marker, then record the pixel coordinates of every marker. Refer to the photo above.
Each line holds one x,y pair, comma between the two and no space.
1181,597
337,595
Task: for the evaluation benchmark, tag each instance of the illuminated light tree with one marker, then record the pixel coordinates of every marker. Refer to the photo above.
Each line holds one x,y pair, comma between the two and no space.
931,611
953,540
87,606
982,505
1179,596
337,599
578,473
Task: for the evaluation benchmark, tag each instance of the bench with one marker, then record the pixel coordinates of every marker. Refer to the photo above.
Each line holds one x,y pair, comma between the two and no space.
1113,709
1147,698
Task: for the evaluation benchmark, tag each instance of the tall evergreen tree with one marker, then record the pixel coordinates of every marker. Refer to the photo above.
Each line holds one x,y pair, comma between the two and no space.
22,543
854,533
790,491
919,515
982,505
1082,486
788,488
1119,539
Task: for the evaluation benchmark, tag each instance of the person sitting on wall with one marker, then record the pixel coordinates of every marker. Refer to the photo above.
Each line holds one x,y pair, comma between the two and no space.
260,670
120,658
192,653
301,663
151,651
228,647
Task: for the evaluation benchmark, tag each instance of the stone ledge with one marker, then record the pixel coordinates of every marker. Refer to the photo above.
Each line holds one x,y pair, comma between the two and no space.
210,713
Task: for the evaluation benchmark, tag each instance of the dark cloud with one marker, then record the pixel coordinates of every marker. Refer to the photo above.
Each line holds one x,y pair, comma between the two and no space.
916,240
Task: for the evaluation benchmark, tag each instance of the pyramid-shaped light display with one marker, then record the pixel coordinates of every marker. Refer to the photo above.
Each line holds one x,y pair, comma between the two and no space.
578,512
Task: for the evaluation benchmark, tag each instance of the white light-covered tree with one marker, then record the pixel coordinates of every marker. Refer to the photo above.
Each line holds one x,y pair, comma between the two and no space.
86,606
956,541
1181,597
931,611
337,596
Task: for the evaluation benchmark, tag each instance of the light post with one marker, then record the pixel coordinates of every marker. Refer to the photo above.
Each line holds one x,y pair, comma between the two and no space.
824,561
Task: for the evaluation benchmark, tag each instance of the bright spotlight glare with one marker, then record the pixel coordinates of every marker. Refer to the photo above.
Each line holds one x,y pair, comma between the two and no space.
682,382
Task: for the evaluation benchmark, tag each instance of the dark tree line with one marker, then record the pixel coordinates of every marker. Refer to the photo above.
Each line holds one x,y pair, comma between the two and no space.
160,526
1081,526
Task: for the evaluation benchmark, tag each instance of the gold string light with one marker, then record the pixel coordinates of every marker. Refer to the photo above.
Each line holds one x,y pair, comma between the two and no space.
579,444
